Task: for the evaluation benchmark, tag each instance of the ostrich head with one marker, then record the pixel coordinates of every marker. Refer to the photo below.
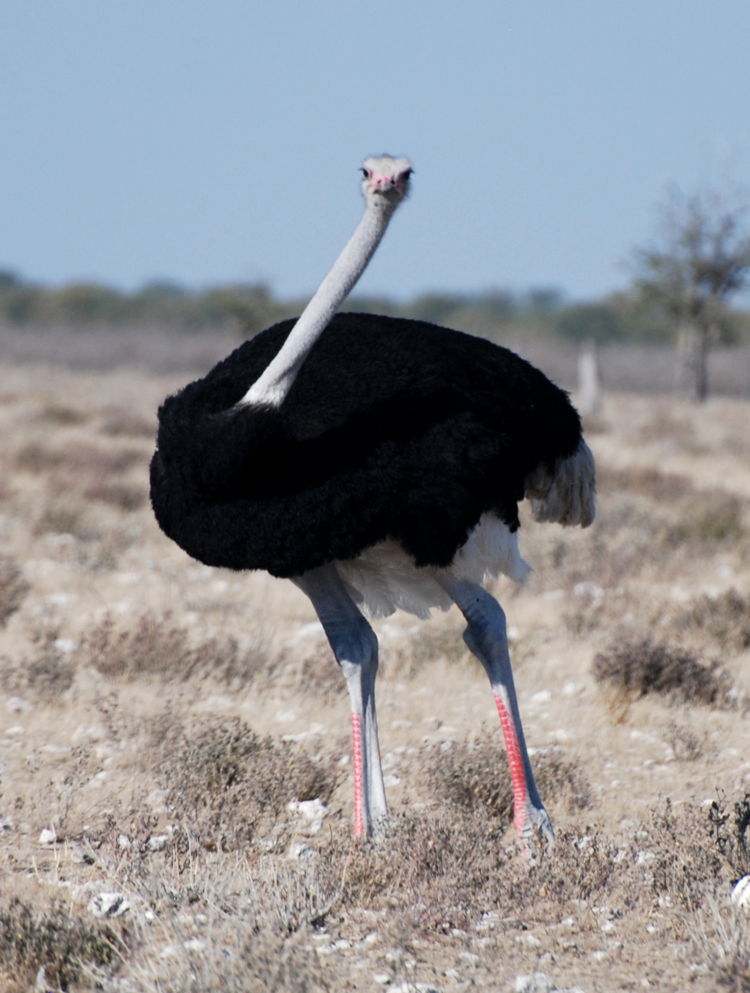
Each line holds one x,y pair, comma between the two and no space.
386,180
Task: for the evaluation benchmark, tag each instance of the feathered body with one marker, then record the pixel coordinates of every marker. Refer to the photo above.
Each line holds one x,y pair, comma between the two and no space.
394,430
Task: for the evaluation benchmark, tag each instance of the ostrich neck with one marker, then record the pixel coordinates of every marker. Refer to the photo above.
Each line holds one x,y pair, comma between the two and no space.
276,380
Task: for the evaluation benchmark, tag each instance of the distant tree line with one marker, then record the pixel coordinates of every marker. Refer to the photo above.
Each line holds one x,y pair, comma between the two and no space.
630,315
682,284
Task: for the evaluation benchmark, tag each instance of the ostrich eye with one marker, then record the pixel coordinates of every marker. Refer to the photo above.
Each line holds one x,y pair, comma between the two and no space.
365,172
406,175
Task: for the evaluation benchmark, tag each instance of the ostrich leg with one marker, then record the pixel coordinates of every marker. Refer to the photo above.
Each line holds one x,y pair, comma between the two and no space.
486,637
356,650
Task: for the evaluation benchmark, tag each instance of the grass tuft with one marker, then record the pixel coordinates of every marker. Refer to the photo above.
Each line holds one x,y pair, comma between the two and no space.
51,946
155,646
472,776
224,782
13,588
635,669
725,618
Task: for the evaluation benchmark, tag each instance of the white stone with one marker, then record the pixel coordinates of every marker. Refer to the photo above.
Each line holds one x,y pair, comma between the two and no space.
191,945
309,812
299,850
17,705
741,893
589,590
47,836
537,982
572,688
108,905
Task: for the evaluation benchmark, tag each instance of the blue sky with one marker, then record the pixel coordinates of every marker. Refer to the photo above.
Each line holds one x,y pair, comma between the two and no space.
216,142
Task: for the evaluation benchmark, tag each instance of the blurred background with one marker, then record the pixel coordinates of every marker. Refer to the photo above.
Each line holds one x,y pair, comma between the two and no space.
580,172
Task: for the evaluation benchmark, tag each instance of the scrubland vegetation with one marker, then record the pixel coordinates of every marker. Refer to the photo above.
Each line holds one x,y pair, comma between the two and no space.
175,790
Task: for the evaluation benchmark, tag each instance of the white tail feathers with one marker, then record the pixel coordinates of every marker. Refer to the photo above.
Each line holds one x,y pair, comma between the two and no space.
566,493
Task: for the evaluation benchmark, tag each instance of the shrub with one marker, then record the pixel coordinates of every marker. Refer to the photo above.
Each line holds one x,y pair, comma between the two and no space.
225,780
13,588
52,940
726,618
714,519
473,776
637,668
154,645
731,832
45,674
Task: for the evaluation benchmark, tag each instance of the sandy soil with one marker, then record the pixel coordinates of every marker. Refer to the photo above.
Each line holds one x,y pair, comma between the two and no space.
101,612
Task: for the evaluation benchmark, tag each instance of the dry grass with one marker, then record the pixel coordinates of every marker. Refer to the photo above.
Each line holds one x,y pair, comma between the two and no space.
722,620
50,948
164,721
634,669
223,782
470,776
155,646
13,588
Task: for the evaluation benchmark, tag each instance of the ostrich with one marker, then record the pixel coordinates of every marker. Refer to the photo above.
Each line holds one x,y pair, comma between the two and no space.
378,463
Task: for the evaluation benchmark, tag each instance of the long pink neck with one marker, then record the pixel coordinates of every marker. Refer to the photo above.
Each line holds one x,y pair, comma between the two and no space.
276,380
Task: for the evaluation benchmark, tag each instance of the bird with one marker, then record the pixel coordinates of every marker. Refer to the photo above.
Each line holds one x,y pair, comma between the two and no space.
378,463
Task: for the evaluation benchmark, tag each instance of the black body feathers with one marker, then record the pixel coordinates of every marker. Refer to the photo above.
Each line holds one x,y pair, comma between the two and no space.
393,429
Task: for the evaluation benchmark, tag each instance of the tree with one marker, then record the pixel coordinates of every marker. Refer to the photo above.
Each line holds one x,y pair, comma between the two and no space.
701,259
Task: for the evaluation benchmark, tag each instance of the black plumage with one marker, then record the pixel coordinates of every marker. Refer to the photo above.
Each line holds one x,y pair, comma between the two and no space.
393,429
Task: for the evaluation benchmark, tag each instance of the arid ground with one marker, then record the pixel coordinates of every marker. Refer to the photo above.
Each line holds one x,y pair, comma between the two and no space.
175,794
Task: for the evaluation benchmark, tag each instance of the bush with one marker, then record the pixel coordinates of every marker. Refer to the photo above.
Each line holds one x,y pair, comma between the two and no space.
226,781
13,589
638,668
52,945
154,645
474,777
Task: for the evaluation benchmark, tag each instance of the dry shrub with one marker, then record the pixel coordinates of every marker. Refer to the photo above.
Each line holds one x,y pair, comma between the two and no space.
731,832
726,618
79,472
472,775
681,855
154,645
121,495
579,866
224,781
434,641
257,963
686,745
65,516
45,674
663,424
322,676
723,939
121,422
316,669
709,519
645,481
634,669
435,868
82,460
445,872
61,414
64,946
13,588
